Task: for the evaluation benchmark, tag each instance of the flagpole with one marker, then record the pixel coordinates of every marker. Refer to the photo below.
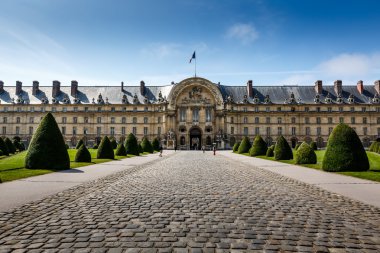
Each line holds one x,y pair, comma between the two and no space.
195,71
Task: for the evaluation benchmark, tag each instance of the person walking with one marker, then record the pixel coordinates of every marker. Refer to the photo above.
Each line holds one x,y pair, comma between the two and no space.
175,148
161,151
203,148
214,149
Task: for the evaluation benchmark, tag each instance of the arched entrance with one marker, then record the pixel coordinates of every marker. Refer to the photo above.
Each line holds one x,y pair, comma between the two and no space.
195,138
294,142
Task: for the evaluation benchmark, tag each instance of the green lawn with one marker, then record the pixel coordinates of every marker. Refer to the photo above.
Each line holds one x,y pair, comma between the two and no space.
372,174
12,167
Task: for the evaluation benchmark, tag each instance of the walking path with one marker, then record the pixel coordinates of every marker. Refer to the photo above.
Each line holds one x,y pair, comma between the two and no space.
22,191
192,202
359,189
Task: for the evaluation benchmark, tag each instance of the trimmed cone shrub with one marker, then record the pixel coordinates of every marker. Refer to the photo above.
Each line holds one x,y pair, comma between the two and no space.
147,146
105,150
270,152
10,146
80,143
305,154
4,147
67,146
95,146
156,144
131,145
259,147
282,150
17,138
140,149
297,146
244,146
120,150
236,146
344,151
113,143
375,147
1,153
83,155
313,145
47,149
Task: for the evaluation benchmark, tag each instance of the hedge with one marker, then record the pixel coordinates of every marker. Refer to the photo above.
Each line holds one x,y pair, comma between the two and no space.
120,150
259,147
236,146
305,155
131,145
146,145
10,146
83,155
3,147
244,146
282,150
345,151
105,150
47,149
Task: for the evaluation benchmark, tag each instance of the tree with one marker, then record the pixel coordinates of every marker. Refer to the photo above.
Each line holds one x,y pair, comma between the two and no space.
270,152
156,144
105,150
313,145
345,151
140,148
305,155
10,146
113,143
120,150
131,145
282,150
236,146
146,145
259,147
80,143
297,146
4,147
244,146
47,148
83,155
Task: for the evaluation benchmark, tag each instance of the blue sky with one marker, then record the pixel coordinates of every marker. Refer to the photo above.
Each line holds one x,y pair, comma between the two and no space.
272,42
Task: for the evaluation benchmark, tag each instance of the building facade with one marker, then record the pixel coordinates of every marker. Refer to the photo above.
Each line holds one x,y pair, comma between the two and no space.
193,112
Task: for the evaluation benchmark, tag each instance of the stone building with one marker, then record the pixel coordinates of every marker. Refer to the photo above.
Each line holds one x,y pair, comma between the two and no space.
193,112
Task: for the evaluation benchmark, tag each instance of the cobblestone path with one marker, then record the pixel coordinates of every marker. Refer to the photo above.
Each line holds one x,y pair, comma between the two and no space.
192,202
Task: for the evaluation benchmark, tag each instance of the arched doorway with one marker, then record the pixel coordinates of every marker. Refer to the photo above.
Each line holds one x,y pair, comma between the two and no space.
294,142
195,138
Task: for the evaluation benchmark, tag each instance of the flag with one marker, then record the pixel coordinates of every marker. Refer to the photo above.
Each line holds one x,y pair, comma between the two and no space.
192,57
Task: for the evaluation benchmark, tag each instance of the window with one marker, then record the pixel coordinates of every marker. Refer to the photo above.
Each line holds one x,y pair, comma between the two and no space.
245,120
17,130
112,120
64,109
30,130
340,109
112,131
329,109
279,120
85,131
19,109
268,131
306,109
279,109
378,131
352,109
318,109
377,109
364,109
134,109
208,114
257,130
365,130
75,109
145,109
123,120
145,120
98,131
378,120
245,131
195,114
307,130
182,114
318,120
293,120
99,109
74,130
319,130
341,120
64,120
63,130
245,109
112,109
86,109
159,131
232,130
31,109
329,120
134,120
75,120
123,130
53,109
364,120
267,120
257,109
124,109
232,119
307,120
294,130
279,130
158,119
134,130
18,120
352,120
257,120
4,130
5,119
267,109
85,120
330,130
99,120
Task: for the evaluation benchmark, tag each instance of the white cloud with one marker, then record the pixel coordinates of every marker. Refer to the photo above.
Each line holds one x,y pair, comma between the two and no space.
246,33
161,50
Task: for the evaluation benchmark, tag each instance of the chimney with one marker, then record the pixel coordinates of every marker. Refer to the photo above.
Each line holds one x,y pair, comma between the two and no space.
360,86
249,89
338,87
142,88
18,87
35,87
74,88
56,89
122,86
377,86
318,87
1,86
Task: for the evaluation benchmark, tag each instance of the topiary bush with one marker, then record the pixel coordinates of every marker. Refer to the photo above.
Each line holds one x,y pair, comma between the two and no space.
345,151
47,149
79,144
305,154
270,152
105,150
297,146
282,150
120,150
140,148
95,146
374,146
131,145
113,143
156,144
10,146
1,153
83,155
244,146
259,147
67,146
146,145
4,147
236,146
313,145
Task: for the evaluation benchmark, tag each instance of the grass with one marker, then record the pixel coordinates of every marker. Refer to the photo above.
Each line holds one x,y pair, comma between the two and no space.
12,167
372,174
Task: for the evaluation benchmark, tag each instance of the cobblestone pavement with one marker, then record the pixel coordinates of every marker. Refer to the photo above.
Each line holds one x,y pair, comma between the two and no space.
192,202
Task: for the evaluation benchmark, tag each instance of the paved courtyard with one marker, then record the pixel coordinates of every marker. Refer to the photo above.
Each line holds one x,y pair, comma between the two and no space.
192,202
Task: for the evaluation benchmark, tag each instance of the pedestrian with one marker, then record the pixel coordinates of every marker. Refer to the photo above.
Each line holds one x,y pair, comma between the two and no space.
175,148
214,149
203,148
161,151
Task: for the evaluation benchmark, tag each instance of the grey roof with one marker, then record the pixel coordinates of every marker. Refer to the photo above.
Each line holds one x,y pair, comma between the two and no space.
277,94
